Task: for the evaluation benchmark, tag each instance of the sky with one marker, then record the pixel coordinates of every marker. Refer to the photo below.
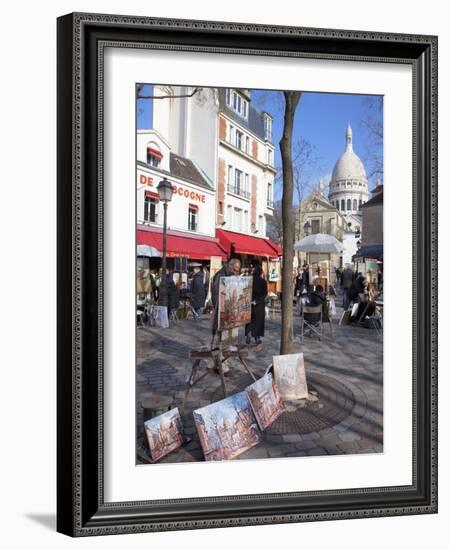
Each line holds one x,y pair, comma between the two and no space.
321,120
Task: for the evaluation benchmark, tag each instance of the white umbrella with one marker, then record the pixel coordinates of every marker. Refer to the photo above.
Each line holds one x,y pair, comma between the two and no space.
149,251
319,243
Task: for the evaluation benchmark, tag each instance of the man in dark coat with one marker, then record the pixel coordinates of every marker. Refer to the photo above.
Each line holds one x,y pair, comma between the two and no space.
257,326
172,294
347,279
197,294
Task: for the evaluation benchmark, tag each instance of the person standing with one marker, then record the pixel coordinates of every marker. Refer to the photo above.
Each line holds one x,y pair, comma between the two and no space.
172,294
347,279
197,293
256,328
298,282
206,278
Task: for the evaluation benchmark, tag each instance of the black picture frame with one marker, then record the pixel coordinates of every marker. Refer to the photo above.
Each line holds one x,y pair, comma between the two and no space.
81,510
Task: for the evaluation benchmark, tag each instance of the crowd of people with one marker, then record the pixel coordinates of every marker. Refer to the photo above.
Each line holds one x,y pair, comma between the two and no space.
195,292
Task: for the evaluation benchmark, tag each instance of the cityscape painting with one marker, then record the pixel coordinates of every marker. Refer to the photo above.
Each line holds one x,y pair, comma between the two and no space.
234,302
164,434
290,376
265,400
227,428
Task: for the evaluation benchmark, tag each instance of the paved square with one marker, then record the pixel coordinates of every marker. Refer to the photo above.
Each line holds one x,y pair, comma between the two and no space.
345,373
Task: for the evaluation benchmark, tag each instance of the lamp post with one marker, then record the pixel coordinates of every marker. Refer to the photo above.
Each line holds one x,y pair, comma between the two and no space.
165,192
307,232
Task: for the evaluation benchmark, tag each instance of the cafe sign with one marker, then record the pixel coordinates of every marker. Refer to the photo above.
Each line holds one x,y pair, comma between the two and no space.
191,195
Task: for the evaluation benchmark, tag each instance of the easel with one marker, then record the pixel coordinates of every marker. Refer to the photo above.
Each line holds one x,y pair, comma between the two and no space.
219,356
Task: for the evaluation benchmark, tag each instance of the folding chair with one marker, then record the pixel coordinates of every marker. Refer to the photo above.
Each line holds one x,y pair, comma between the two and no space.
311,321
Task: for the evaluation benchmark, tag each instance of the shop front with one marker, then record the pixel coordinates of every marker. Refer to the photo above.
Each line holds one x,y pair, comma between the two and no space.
251,251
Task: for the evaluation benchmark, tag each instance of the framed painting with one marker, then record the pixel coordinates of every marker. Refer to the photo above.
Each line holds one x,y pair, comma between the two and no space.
299,163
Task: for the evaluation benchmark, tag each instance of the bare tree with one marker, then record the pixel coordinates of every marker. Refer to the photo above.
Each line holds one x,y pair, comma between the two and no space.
274,224
373,122
291,102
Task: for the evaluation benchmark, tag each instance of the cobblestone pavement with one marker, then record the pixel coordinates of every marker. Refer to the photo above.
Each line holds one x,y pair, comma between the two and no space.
346,374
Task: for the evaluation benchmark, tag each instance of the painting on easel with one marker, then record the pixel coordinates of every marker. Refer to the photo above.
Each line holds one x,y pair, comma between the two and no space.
234,302
227,428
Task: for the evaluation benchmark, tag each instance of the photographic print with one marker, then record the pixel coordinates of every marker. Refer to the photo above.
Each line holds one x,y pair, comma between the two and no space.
290,376
164,434
210,235
265,400
224,179
234,302
227,428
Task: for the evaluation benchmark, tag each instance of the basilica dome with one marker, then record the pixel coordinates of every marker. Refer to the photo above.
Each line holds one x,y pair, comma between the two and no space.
348,187
348,166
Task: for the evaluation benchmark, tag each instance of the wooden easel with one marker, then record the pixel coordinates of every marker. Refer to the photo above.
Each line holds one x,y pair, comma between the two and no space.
219,356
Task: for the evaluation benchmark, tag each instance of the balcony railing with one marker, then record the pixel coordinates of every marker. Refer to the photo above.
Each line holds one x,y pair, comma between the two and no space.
270,203
236,190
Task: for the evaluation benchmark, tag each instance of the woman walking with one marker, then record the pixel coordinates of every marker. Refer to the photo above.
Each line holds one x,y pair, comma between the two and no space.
257,326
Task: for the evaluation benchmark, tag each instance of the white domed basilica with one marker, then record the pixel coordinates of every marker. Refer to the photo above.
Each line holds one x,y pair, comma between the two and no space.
348,187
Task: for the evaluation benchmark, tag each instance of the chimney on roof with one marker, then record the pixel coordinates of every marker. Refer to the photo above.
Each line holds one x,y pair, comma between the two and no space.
378,189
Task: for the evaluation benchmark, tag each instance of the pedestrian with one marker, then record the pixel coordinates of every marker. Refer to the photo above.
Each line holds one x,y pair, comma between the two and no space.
256,328
206,278
306,277
172,294
347,279
298,282
197,294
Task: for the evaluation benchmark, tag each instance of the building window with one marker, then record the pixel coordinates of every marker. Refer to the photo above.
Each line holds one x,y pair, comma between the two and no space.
193,217
238,139
343,205
315,226
238,181
220,207
360,203
245,221
229,176
348,204
229,216
270,157
237,102
154,156
354,204
260,226
150,209
268,127
238,219
247,145
270,195
231,133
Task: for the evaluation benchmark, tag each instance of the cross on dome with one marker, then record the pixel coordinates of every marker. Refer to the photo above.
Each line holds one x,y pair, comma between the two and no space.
349,137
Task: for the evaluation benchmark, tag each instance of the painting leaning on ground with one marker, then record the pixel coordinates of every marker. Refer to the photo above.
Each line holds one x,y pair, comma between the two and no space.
259,274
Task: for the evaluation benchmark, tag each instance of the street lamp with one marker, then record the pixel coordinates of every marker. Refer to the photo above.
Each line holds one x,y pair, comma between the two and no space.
165,192
307,228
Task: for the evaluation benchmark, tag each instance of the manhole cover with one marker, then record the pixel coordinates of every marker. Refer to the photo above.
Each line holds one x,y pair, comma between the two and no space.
336,402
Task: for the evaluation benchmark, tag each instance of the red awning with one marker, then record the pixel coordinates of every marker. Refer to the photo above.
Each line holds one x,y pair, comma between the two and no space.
154,152
245,244
195,249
